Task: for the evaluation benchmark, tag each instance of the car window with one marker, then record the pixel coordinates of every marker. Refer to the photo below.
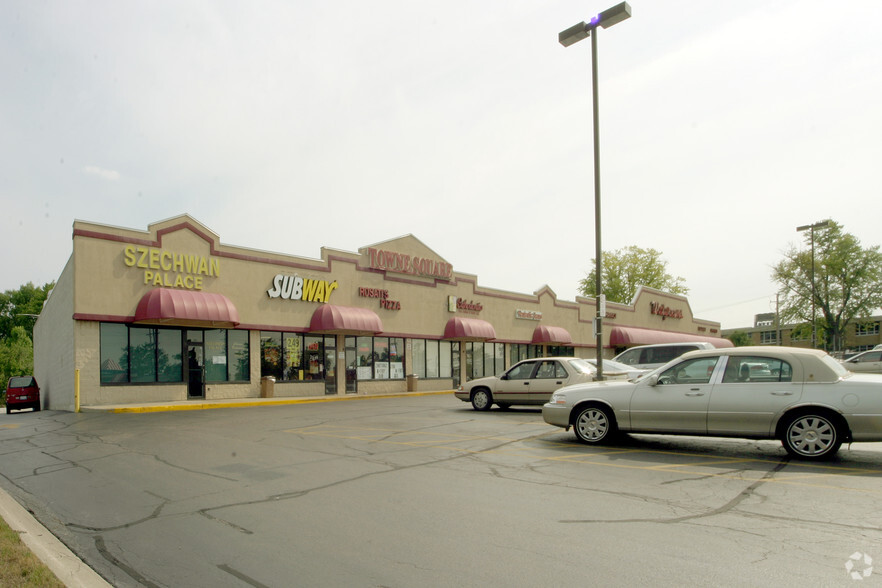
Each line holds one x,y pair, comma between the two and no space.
630,357
21,381
693,371
522,371
870,356
551,369
666,353
756,369
582,366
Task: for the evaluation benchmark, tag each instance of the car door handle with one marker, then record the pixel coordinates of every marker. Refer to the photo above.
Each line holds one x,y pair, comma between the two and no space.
526,383
695,392
782,393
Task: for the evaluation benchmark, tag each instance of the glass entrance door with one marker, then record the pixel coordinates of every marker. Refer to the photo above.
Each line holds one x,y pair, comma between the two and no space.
196,371
195,364
330,369
351,366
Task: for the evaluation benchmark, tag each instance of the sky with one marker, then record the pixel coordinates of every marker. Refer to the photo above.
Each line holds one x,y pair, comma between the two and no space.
289,126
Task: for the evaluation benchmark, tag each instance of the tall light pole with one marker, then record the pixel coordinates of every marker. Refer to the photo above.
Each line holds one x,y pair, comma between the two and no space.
811,228
574,34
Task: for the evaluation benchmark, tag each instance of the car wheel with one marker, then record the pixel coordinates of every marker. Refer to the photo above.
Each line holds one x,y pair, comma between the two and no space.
8,410
812,435
36,407
482,399
594,424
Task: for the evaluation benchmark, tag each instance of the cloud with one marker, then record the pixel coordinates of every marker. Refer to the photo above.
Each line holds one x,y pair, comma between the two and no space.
104,174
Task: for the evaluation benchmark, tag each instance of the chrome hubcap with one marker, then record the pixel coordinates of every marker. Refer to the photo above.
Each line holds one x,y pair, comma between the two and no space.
811,435
593,424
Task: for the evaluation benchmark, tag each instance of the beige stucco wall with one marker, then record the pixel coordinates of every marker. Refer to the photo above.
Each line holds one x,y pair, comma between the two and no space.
112,268
54,362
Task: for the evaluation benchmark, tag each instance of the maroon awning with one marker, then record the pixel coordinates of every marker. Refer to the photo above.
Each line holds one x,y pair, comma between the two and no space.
186,307
468,329
544,335
626,336
345,320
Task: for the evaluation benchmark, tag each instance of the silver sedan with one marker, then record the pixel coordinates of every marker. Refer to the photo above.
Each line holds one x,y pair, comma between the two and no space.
803,397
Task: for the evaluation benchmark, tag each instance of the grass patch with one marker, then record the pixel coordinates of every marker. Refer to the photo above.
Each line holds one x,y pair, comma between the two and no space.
20,567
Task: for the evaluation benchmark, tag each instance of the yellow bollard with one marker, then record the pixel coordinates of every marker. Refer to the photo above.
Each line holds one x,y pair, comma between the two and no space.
77,390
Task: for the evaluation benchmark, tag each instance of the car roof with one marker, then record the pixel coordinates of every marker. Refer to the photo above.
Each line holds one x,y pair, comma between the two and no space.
808,364
671,344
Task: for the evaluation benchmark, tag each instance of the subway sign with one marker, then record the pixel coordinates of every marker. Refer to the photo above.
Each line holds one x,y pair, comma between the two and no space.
298,288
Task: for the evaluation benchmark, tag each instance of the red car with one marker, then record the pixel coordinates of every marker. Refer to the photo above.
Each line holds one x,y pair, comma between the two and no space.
22,392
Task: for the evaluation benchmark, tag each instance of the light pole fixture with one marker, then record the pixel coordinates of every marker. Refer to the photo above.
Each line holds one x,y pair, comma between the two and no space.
811,228
574,34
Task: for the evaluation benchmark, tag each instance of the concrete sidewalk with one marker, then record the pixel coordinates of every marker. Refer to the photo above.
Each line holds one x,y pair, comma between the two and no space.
203,404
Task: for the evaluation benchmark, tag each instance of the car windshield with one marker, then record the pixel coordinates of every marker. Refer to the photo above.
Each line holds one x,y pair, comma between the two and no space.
582,366
21,382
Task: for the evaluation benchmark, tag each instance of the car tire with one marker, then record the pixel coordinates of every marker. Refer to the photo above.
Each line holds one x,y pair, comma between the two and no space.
36,407
594,424
482,399
812,435
8,410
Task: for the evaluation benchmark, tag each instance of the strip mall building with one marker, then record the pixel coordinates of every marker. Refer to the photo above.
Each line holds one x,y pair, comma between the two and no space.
174,314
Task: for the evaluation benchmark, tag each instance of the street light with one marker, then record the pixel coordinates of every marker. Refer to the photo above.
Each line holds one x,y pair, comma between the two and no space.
811,228
574,34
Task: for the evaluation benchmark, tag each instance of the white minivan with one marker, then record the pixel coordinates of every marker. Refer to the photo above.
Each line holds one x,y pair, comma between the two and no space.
649,357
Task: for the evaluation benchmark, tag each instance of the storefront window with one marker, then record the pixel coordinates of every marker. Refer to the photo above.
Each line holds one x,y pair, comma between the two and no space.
142,354
432,359
115,353
271,354
168,355
293,357
561,351
396,358
216,355
380,358
433,364
418,354
520,352
381,355
314,359
240,360
136,354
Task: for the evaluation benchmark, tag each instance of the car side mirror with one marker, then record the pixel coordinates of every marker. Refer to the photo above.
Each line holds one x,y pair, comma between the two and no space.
652,380
503,377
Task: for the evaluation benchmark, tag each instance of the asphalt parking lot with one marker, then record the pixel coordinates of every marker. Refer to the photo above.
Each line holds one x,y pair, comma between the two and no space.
425,491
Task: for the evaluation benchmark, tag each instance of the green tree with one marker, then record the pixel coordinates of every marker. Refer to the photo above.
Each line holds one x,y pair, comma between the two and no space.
625,269
16,355
740,339
847,283
19,308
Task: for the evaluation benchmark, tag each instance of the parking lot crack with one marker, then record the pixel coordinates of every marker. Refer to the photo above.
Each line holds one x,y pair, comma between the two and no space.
735,501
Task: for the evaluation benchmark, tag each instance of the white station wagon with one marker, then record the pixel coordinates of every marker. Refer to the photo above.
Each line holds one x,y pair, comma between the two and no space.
803,397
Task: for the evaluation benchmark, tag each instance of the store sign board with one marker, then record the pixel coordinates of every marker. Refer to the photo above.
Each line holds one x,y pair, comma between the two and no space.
298,288
529,315
401,263
171,269
664,311
455,304
382,295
